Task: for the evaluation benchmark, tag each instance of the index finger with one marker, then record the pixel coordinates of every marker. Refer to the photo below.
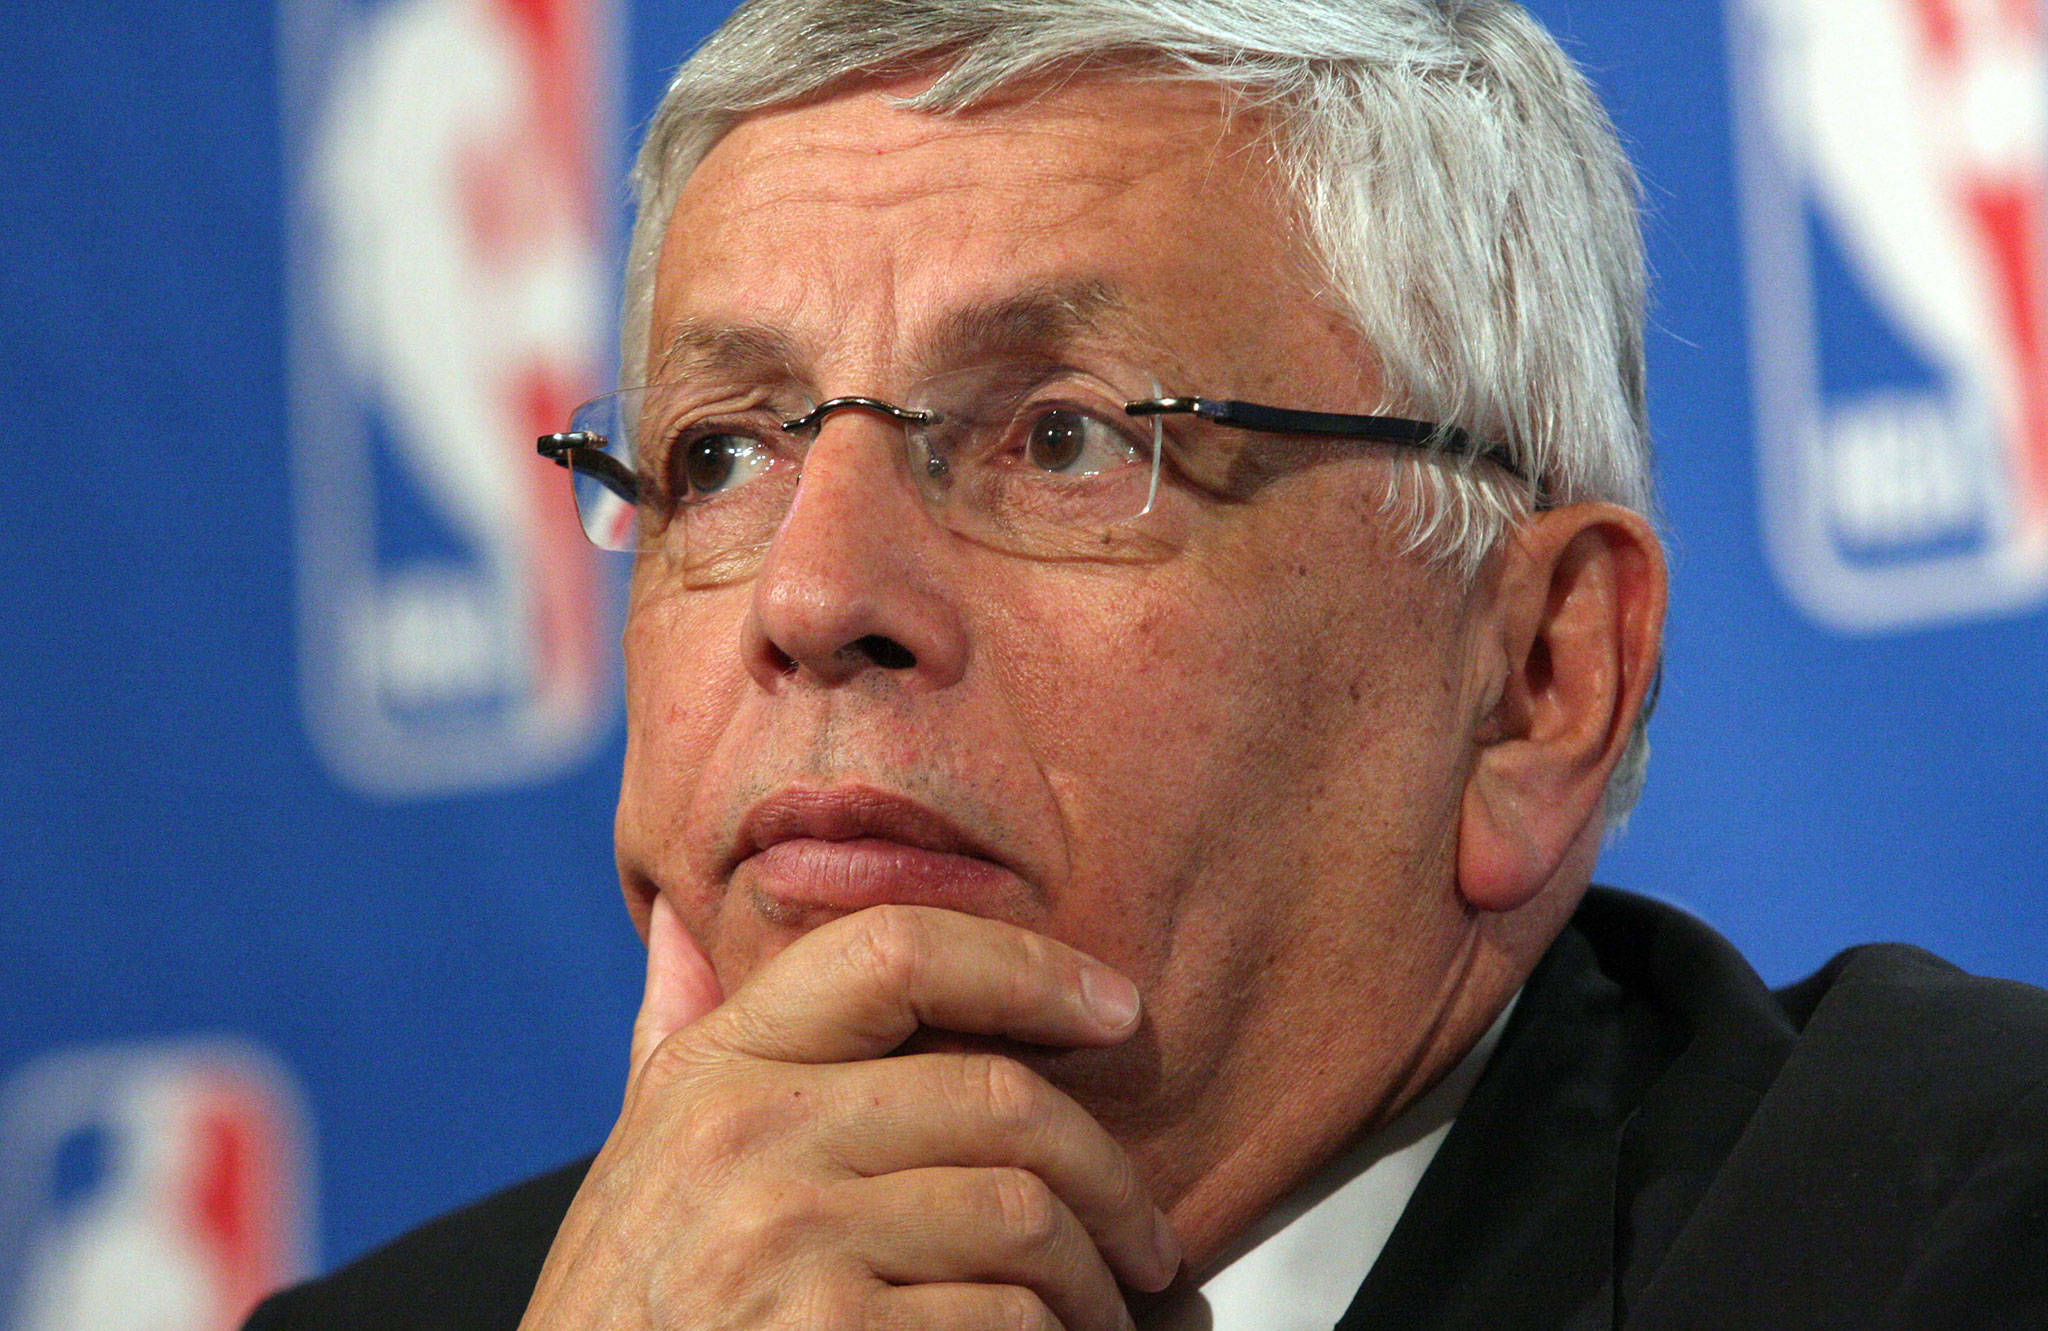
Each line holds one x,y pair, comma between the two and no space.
857,987
681,984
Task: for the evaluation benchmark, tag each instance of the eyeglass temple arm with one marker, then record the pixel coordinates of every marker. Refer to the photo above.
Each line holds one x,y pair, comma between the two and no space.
582,452
1283,420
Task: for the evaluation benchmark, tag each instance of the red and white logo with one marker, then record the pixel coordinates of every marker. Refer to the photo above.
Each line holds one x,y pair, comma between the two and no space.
452,247
149,1188
1895,183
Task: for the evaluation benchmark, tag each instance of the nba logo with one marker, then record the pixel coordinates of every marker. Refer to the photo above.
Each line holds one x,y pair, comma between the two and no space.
1894,156
451,257
148,1188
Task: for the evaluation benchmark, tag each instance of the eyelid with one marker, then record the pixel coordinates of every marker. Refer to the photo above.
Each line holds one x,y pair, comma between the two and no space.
1020,413
759,422
1074,390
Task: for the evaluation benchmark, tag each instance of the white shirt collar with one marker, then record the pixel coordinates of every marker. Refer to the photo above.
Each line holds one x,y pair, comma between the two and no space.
1300,1266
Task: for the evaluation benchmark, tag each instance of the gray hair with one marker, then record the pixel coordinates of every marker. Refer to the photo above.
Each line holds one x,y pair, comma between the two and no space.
1468,204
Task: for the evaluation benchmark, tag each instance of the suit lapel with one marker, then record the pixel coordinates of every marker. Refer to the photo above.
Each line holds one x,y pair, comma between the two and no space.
1628,1072
1513,1225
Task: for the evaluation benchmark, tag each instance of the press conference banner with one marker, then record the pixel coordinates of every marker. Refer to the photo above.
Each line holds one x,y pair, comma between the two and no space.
313,700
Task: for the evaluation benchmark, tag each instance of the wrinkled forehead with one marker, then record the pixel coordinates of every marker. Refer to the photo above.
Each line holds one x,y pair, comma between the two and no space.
1036,322
1103,212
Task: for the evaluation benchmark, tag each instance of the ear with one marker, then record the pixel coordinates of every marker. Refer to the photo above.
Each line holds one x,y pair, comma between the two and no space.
1565,653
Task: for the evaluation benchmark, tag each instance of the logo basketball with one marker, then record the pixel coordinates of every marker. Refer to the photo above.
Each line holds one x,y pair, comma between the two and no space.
148,1186
450,268
1895,186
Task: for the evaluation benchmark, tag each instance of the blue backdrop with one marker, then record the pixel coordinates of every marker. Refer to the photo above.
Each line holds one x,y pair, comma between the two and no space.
283,842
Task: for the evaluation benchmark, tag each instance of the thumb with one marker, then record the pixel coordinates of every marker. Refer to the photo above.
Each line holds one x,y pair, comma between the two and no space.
681,986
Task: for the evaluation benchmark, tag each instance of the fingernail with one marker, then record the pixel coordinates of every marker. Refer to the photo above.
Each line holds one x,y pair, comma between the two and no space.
1109,996
1167,1246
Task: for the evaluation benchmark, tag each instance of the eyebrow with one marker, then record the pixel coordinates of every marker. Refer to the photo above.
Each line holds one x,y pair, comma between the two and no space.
697,347
1038,320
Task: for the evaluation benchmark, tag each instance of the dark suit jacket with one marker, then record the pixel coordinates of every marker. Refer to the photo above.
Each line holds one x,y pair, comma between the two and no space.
1659,1142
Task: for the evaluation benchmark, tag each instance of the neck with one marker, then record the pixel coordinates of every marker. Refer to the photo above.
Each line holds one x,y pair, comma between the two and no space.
1292,1114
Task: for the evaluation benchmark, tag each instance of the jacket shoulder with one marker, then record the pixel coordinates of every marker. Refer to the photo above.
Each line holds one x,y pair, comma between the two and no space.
1928,1042
1895,1171
1886,982
470,1270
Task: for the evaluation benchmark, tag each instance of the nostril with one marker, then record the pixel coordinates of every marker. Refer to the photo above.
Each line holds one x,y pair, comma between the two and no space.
885,652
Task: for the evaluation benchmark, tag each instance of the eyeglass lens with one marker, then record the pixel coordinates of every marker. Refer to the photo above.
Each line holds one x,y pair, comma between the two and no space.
1037,460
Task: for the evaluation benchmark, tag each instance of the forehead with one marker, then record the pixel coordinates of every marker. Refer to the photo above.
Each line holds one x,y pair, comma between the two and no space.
854,230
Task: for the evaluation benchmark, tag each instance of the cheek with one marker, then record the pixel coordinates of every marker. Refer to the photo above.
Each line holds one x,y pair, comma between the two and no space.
1169,686
683,681
1166,716
1203,725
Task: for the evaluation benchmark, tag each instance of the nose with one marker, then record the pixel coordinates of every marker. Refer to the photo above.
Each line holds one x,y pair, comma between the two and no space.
851,582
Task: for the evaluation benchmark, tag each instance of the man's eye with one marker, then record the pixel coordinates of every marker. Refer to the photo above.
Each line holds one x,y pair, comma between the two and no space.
1066,442
714,464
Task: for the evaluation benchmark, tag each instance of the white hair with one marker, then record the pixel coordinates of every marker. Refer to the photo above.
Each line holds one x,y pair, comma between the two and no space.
1468,205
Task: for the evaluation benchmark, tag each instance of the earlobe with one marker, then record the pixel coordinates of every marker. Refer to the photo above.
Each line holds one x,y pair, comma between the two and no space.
1573,638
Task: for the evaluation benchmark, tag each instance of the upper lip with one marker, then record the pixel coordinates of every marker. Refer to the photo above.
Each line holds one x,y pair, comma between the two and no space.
847,812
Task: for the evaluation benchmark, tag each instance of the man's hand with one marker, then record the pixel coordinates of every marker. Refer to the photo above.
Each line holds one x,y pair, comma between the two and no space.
771,1168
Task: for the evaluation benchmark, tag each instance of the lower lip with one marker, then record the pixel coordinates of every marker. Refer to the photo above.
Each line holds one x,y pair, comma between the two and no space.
866,871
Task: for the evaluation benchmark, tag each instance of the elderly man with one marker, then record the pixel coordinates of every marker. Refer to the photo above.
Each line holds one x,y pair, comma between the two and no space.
1143,610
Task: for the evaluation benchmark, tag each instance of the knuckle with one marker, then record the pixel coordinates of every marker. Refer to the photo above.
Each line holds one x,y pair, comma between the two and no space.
1036,976
1025,1208
772,1219
1007,1090
1041,955
889,948
1127,1192
721,1126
